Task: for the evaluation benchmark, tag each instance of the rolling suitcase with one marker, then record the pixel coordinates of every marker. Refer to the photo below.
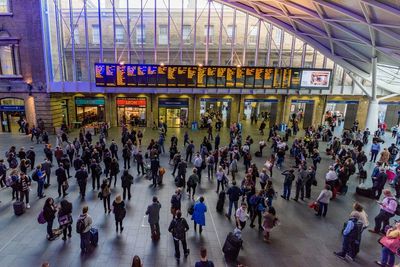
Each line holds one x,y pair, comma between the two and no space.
221,201
365,192
19,208
155,236
258,154
94,236
232,247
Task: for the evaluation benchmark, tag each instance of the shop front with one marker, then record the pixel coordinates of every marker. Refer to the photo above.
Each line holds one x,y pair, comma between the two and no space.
261,109
12,112
302,111
216,108
389,113
341,111
131,110
89,110
173,111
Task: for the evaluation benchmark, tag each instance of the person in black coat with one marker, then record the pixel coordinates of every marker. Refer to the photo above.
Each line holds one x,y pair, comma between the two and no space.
31,155
119,212
81,176
154,165
49,213
61,179
65,218
178,227
114,170
66,163
126,182
95,168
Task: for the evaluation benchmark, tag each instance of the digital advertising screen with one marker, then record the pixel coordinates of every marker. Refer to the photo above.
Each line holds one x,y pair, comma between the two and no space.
315,79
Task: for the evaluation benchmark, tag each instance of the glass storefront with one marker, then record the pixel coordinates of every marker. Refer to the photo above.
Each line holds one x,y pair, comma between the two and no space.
12,111
216,109
302,112
131,111
260,109
89,110
173,111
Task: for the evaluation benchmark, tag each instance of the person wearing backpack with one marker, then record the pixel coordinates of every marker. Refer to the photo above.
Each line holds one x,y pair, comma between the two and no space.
106,195
49,214
126,182
204,262
176,202
119,212
233,168
65,218
83,226
351,235
31,155
198,215
153,212
192,182
178,227
259,208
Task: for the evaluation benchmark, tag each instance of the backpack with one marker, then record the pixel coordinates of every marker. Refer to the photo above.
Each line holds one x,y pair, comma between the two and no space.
13,163
40,218
80,225
179,229
35,176
99,170
191,208
253,200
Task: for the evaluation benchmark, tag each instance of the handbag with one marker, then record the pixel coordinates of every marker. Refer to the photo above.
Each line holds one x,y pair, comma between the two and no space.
314,206
393,244
65,186
100,195
64,220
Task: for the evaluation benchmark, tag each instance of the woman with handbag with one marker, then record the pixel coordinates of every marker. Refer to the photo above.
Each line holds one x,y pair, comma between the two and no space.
119,212
323,200
270,221
65,218
105,194
390,246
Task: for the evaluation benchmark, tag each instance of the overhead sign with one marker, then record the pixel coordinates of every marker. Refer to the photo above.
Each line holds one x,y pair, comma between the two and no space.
12,108
132,102
99,101
173,102
142,75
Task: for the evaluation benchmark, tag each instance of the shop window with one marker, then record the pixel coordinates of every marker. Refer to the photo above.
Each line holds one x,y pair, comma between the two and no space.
9,61
163,35
119,33
210,31
186,29
140,34
5,6
95,34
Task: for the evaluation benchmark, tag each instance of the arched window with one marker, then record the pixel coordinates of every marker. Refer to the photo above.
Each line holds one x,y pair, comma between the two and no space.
9,59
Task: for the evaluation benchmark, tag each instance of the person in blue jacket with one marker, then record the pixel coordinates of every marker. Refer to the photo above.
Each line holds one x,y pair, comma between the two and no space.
199,216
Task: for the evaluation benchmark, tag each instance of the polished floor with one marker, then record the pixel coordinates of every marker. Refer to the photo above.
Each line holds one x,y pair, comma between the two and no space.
301,239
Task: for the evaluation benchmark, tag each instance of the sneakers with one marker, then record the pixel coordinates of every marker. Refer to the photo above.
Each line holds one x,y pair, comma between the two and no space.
187,252
28,206
339,255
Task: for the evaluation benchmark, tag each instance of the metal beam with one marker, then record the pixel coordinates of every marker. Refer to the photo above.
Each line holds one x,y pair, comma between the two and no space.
382,6
359,84
386,97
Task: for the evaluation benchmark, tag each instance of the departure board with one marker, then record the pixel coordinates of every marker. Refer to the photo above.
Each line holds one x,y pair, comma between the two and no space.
161,76
221,76
249,77
172,72
152,75
183,76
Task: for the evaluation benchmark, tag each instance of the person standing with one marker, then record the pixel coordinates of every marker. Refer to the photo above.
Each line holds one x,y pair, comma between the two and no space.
61,180
24,184
221,178
81,176
139,162
189,151
46,168
270,222
86,221
126,182
106,195
198,163
210,166
114,149
198,215
40,177
119,212
126,155
350,236
234,193
49,213
31,155
378,183
323,200
375,148
96,173
233,167
204,262
388,250
192,183
300,183
154,166
153,212
182,166
65,218
241,216
388,208
178,227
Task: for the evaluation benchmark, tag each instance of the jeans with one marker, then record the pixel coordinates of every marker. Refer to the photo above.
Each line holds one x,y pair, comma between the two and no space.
387,257
232,203
322,207
194,190
210,170
279,162
222,185
184,245
64,230
299,191
85,240
40,187
140,166
60,188
111,178
120,225
106,202
127,160
50,228
382,217
374,153
95,178
129,192
26,195
258,214
346,247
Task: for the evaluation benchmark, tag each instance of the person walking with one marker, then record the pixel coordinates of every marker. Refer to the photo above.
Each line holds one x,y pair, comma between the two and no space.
153,212
287,183
65,218
221,178
176,202
40,178
198,164
24,184
126,182
241,216
388,208
204,261
270,221
375,148
106,195
234,194
114,170
119,212
178,227
154,166
198,215
86,221
126,155
323,200
61,180
192,183
81,176
139,162
49,214
96,173
350,236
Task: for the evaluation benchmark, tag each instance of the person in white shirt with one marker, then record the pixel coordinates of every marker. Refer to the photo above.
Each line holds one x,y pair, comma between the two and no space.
241,216
198,162
323,200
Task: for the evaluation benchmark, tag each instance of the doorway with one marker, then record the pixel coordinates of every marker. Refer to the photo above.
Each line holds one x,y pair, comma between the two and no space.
174,117
12,113
216,109
262,109
301,111
342,112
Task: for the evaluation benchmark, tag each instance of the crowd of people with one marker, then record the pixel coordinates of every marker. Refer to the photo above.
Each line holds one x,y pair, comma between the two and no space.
251,195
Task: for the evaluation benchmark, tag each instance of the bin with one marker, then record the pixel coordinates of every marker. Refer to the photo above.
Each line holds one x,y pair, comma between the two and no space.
194,126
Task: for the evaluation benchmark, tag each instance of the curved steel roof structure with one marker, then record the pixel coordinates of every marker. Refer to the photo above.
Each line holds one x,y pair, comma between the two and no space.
350,32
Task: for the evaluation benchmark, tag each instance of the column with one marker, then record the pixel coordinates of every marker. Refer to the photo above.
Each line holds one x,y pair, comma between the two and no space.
373,109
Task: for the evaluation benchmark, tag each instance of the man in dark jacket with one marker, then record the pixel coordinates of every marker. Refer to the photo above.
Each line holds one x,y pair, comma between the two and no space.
139,162
234,194
176,201
378,183
154,165
61,178
66,163
114,149
78,162
81,176
46,167
153,211
178,227
302,178
96,170
182,166
31,155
